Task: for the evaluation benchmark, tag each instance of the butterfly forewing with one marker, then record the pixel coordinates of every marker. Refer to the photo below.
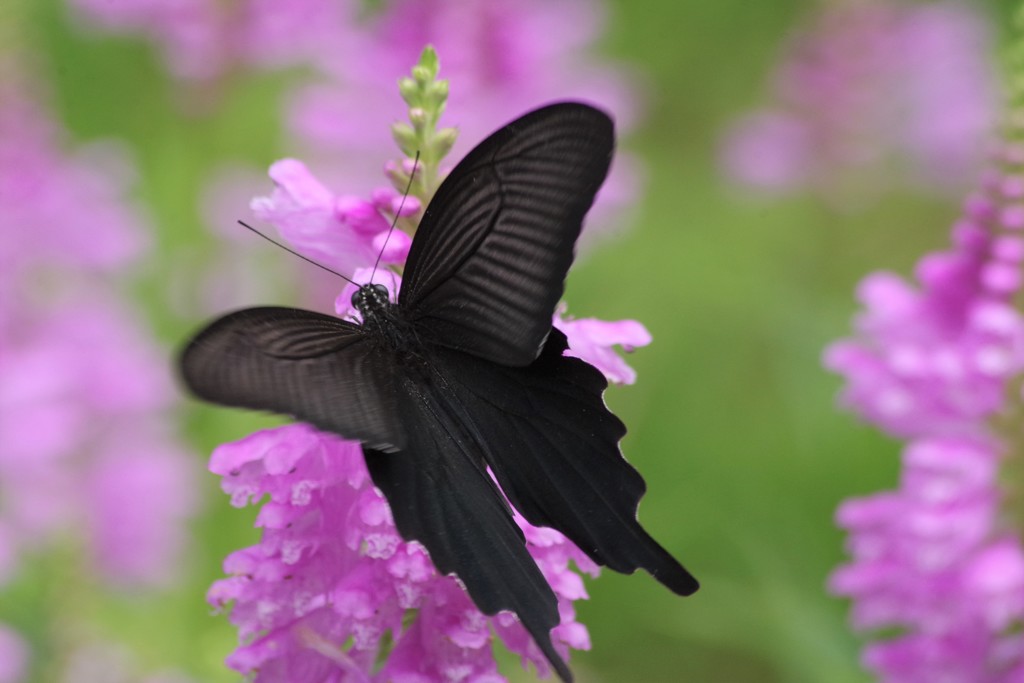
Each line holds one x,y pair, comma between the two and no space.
316,367
488,264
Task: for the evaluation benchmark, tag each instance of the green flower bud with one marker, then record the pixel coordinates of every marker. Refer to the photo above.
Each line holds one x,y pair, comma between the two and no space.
418,116
422,75
409,90
430,62
406,138
442,142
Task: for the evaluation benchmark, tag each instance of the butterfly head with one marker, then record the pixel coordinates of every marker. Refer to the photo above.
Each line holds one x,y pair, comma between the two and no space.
370,299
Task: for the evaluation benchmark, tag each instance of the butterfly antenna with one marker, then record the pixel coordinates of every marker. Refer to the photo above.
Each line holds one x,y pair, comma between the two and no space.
401,205
292,251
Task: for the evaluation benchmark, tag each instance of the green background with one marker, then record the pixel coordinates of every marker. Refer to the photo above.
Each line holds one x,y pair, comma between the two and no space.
733,421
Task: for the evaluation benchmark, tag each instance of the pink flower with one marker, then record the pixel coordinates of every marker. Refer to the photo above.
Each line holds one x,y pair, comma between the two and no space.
503,57
925,560
936,359
593,341
86,391
507,57
63,209
200,40
331,580
935,562
870,95
768,150
153,481
82,409
340,232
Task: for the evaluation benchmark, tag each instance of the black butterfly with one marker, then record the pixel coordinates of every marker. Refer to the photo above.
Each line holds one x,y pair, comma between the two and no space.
466,373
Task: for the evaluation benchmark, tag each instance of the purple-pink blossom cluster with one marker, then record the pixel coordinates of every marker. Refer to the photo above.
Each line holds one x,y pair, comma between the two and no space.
86,390
332,591
870,95
343,232
201,40
935,359
937,562
508,56
87,450
932,559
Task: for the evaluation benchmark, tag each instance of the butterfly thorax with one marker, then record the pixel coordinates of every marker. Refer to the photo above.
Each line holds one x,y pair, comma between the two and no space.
381,318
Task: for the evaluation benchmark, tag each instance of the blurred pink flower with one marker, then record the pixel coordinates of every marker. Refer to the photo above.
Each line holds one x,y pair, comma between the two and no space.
507,56
153,481
928,560
201,40
872,95
503,58
85,439
934,563
86,391
62,210
936,359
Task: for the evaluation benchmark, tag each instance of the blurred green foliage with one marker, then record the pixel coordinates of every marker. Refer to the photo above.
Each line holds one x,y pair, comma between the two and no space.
733,422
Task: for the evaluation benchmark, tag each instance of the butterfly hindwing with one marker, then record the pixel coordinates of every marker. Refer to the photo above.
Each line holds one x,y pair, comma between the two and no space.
442,496
489,260
315,367
553,445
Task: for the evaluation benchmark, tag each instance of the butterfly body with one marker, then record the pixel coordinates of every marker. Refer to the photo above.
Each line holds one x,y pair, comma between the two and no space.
385,326
460,390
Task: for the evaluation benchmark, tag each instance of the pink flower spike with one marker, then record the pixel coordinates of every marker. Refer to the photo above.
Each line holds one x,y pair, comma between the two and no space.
933,563
331,578
870,96
84,384
158,487
980,208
